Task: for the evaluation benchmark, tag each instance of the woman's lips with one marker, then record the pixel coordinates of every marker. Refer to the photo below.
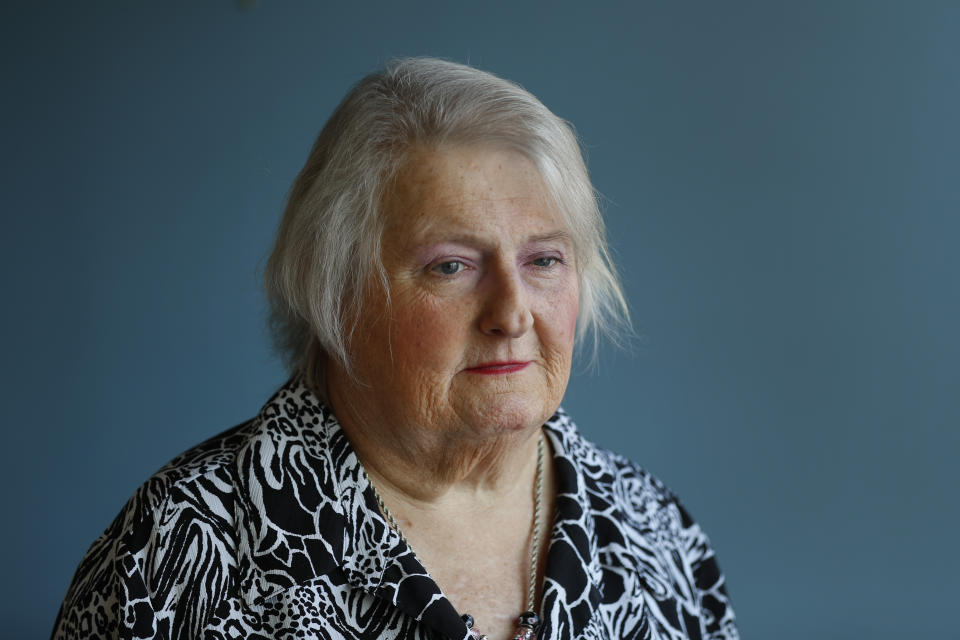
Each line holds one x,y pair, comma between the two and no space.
498,368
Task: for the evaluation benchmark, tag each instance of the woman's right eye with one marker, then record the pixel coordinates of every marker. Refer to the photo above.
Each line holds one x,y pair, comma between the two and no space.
449,268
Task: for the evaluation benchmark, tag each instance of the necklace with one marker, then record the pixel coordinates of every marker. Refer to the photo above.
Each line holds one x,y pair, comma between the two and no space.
529,622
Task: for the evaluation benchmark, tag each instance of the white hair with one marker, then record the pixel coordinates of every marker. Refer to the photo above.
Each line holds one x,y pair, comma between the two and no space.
327,250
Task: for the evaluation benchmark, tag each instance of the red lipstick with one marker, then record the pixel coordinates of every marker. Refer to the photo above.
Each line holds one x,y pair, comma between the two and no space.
498,368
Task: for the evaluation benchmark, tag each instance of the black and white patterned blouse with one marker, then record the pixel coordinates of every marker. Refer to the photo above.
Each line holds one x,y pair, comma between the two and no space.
271,530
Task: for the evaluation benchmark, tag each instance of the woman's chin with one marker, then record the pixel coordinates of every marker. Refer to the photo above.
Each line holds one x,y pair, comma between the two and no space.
504,414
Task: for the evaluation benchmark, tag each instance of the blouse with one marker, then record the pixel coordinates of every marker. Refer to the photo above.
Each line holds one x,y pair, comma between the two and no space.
271,530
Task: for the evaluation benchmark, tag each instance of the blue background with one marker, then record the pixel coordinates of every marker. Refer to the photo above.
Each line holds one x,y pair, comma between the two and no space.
782,194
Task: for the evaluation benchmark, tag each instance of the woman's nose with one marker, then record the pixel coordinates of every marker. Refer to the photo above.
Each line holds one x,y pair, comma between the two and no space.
506,311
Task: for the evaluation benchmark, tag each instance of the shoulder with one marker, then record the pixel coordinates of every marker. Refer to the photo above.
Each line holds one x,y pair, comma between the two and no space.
214,458
204,477
648,547
196,480
177,525
619,489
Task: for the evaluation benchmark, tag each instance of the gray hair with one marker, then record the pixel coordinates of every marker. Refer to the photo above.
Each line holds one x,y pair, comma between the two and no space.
327,250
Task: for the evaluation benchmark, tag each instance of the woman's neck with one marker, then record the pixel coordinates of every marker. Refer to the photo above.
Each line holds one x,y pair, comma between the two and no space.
464,502
432,470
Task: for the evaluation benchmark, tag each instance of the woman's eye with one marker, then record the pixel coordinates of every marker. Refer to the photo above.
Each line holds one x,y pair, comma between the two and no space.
449,268
545,261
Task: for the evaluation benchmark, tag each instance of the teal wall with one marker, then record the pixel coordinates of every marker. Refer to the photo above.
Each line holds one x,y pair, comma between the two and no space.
782,187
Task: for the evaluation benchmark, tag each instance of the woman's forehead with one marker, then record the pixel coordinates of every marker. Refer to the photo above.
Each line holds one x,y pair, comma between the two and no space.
443,190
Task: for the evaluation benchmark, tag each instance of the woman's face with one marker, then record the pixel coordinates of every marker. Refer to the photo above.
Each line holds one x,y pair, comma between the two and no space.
478,334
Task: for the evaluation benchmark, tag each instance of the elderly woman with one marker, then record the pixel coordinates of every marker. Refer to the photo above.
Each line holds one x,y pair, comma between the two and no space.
440,256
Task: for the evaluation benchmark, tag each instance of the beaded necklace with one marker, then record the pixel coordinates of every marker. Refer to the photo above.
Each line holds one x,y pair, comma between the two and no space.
529,622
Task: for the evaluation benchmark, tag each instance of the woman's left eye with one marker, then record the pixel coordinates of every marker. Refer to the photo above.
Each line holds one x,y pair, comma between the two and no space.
449,268
545,261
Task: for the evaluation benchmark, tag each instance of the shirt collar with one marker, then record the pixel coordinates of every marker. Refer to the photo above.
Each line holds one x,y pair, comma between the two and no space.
572,585
307,508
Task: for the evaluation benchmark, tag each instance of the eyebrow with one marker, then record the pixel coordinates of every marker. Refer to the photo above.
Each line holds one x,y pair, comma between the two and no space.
549,237
470,239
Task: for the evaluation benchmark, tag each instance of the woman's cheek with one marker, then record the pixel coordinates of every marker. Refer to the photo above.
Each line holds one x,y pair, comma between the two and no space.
424,332
571,307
